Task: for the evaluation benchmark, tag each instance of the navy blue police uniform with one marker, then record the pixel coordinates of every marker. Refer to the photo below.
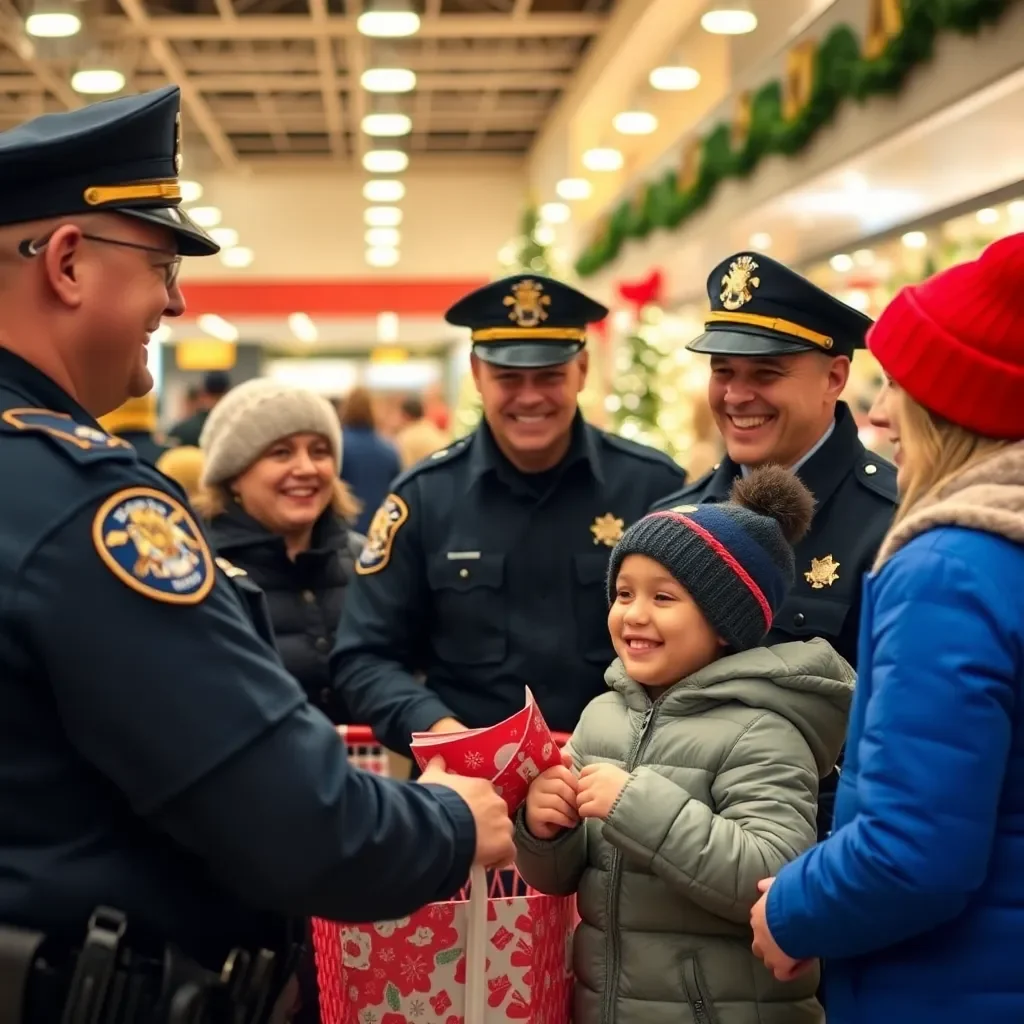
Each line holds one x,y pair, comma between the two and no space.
760,308
156,759
482,579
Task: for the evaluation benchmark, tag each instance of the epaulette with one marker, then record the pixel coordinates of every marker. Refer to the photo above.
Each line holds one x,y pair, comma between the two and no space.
79,441
878,475
439,458
685,492
640,451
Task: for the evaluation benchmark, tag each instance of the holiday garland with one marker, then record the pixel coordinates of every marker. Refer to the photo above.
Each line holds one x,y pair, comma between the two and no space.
839,72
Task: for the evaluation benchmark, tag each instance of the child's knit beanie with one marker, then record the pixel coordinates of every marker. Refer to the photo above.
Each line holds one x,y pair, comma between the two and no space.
735,558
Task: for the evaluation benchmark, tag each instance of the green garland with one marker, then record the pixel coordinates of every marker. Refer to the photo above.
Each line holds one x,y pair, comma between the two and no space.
841,73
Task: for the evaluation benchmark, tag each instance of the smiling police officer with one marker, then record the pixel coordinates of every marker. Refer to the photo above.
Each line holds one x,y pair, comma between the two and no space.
484,568
168,794
780,351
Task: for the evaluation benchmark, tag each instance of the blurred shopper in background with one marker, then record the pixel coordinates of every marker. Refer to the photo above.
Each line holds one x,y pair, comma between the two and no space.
371,462
216,385
418,437
184,465
135,421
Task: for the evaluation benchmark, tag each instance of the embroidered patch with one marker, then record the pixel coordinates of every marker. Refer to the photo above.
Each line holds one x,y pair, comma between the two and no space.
386,523
151,543
63,427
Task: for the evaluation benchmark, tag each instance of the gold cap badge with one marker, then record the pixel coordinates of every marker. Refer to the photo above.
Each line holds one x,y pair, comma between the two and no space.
528,303
739,284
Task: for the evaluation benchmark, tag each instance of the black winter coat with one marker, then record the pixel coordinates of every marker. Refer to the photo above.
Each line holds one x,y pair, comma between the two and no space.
305,596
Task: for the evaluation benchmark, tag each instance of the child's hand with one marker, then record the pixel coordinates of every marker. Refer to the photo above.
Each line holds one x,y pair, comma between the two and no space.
551,801
600,786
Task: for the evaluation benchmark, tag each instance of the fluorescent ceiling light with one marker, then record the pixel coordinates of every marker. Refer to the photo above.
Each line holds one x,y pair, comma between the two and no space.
237,257
53,22
97,81
387,328
385,161
761,240
205,216
555,213
574,188
388,19
987,216
191,191
382,190
841,263
915,240
635,122
602,158
674,78
217,327
729,19
389,126
302,327
226,238
382,217
1016,209
383,238
382,256
388,80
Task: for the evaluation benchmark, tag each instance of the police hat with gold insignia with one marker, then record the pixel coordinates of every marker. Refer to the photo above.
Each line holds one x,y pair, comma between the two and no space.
761,308
526,321
116,156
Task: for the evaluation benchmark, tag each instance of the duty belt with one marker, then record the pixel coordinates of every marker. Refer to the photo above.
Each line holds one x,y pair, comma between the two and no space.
107,983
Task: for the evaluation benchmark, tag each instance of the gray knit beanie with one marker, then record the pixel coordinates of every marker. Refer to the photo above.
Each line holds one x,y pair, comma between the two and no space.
255,414
734,558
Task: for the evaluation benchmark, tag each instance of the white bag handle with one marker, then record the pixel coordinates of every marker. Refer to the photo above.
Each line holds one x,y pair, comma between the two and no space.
476,948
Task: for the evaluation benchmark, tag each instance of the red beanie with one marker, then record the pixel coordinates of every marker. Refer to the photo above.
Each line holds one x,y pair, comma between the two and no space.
955,343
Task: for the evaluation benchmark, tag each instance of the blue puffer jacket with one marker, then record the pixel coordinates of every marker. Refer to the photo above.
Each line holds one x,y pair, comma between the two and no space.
917,899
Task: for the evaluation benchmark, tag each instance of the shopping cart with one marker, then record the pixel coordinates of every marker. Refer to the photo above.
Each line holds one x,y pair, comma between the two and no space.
506,956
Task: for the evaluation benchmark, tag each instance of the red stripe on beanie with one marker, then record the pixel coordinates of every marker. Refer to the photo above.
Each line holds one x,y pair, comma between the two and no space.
726,555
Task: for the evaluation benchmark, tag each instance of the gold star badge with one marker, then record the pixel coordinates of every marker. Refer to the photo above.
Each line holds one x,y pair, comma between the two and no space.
823,572
607,530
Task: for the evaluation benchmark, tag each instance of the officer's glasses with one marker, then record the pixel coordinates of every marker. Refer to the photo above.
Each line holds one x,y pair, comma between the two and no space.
171,269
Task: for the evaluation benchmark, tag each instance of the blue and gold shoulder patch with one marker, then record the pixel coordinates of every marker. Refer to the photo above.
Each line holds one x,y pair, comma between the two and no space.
151,543
79,439
386,522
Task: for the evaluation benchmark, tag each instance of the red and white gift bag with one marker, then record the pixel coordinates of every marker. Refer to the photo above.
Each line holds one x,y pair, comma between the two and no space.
476,961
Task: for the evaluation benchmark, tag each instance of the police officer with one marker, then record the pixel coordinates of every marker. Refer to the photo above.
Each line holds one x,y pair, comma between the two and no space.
168,795
780,353
484,568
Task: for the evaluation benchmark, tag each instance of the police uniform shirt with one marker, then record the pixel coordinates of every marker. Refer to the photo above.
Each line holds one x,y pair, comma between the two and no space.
487,580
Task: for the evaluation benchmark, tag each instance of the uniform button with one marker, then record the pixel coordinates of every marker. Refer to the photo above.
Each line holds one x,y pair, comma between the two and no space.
464,573
322,643
309,597
871,469
799,619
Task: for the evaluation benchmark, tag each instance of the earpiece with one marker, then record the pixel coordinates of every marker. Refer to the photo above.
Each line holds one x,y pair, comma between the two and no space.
28,249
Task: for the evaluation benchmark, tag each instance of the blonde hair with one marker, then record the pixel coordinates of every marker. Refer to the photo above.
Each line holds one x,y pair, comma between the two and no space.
939,450
213,500
184,465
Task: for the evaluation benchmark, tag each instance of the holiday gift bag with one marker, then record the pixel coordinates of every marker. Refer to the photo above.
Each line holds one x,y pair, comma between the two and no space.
479,960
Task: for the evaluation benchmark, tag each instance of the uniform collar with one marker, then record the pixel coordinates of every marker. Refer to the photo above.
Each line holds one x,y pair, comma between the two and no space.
37,390
822,469
486,457
234,528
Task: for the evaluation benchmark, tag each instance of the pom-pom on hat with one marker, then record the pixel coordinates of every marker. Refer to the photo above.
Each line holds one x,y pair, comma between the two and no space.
734,558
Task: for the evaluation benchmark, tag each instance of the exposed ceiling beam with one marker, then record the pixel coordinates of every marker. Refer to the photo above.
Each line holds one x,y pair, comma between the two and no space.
521,8
297,26
328,74
172,67
355,60
13,34
426,163
421,101
254,121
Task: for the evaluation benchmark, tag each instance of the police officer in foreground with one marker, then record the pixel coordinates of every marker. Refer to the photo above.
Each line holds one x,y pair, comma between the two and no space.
484,568
780,353
169,797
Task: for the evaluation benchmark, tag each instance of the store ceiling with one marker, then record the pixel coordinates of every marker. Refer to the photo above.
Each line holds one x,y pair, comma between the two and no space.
280,79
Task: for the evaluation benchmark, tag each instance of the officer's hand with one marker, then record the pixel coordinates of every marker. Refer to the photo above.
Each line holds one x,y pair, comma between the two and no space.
447,725
494,845
551,801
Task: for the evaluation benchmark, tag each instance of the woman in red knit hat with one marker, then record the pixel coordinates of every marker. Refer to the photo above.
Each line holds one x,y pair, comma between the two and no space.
917,897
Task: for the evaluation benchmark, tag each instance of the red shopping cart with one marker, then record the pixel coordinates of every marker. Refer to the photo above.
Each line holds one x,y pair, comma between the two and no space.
499,951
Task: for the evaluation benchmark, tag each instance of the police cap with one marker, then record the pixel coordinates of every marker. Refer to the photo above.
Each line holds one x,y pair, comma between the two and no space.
526,321
761,308
121,156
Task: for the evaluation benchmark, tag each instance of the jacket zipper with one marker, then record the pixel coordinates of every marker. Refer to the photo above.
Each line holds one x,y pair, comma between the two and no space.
611,980
694,996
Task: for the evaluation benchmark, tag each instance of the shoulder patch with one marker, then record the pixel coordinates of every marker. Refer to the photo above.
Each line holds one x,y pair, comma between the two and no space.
151,543
386,522
642,451
878,475
82,442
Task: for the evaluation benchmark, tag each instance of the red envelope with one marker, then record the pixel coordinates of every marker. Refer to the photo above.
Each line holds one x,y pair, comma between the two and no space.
510,754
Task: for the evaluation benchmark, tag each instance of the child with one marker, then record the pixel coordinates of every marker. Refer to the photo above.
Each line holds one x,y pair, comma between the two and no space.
697,774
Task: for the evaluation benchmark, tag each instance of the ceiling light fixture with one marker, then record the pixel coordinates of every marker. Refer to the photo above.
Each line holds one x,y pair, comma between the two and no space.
217,327
388,19
674,78
389,126
729,19
383,190
841,263
987,216
226,238
761,240
555,213
205,216
191,191
385,161
915,240
864,258
237,257
602,158
635,122
383,238
303,328
574,188
52,19
382,217
387,328
97,78
388,80
382,256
